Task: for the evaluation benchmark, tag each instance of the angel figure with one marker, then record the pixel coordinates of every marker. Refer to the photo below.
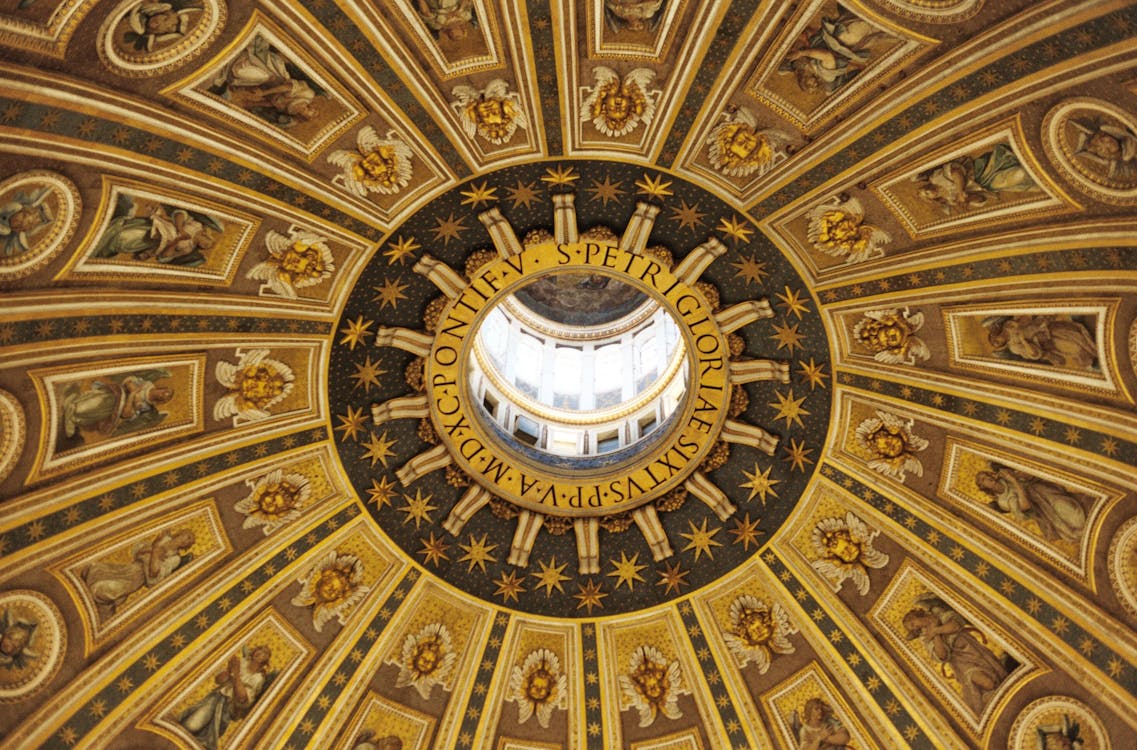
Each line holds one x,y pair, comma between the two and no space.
845,551
157,23
1059,513
256,383
616,106
22,218
238,687
653,685
426,659
890,336
968,183
262,81
632,15
837,227
152,561
890,442
828,57
538,686
758,631
954,643
1110,148
16,640
368,739
378,165
450,20
818,728
737,149
117,404
495,113
1057,340
165,234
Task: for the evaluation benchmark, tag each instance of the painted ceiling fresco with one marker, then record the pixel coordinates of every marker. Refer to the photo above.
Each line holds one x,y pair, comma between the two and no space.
237,237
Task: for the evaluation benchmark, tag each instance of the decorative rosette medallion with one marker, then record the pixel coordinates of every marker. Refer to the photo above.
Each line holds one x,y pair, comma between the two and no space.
570,381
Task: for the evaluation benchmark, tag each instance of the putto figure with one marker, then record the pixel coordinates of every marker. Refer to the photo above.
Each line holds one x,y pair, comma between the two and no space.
538,686
837,227
738,149
378,165
758,631
890,442
256,383
494,113
890,336
845,551
426,659
617,106
652,685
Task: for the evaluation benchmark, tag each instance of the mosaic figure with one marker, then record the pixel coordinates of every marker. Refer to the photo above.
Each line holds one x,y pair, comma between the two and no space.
956,645
238,686
968,183
152,561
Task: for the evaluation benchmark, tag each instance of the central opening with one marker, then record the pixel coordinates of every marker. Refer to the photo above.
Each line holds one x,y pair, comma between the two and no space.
578,364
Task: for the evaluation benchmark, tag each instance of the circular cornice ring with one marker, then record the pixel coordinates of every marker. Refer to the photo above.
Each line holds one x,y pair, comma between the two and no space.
547,489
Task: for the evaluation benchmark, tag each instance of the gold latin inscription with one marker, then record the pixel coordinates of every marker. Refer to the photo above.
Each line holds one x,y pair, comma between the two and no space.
552,491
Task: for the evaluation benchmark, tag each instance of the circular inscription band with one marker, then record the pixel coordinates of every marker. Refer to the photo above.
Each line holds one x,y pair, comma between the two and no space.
507,473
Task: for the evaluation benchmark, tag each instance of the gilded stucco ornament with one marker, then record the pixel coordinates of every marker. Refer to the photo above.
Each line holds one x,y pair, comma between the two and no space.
444,468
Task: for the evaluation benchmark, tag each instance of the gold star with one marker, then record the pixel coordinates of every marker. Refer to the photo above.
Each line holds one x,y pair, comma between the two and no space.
798,455
448,229
750,269
378,449
478,194
746,531
736,229
351,423
522,195
367,374
434,550
356,332
656,187
381,492
605,191
560,175
590,595
793,302
390,293
672,577
477,553
760,483
689,217
789,408
400,250
1109,447
787,336
550,576
814,373
701,539
626,571
509,586
418,508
